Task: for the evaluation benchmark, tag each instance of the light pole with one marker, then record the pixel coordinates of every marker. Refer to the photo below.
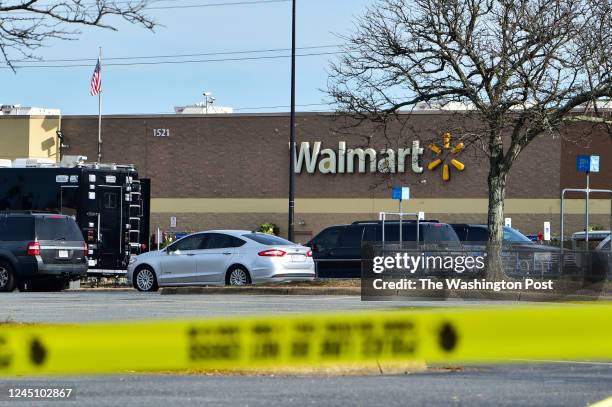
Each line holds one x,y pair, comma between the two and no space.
291,221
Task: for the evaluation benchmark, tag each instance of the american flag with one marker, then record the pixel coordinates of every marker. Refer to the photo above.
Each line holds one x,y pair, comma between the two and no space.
96,80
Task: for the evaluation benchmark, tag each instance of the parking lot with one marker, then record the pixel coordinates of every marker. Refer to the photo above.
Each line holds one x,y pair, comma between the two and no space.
543,383
108,305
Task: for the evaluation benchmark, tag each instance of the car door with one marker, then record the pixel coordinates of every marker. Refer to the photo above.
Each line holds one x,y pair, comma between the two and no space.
322,245
347,255
214,258
477,235
179,261
111,252
475,242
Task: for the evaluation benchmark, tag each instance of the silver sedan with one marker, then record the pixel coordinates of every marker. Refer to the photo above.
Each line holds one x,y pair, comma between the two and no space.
222,257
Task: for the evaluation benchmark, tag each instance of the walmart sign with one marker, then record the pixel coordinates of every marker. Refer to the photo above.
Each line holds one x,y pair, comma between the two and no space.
312,158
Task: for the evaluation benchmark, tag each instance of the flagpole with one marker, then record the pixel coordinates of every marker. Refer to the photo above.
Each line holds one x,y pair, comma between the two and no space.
100,110
291,220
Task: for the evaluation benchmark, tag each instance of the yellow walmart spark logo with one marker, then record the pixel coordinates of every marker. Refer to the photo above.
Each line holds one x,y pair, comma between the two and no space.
445,151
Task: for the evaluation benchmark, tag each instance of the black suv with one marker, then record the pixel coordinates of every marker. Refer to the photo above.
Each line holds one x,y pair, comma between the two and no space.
337,249
40,251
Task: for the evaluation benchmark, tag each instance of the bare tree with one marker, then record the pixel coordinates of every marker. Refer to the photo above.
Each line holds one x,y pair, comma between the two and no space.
522,67
26,25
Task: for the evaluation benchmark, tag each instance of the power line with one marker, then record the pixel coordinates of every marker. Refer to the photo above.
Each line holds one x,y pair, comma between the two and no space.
172,62
25,61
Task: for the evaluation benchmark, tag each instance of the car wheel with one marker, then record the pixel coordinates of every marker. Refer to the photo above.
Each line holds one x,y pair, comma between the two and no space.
145,280
238,276
7,277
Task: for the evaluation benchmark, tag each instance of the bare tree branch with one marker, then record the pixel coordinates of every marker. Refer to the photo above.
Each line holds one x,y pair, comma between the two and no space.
26,25
523,68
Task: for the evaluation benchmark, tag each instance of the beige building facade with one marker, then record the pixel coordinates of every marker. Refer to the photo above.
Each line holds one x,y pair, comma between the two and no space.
29,133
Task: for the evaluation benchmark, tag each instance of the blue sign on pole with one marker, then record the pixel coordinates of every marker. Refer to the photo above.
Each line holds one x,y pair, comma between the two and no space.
583,163
587,163
400,193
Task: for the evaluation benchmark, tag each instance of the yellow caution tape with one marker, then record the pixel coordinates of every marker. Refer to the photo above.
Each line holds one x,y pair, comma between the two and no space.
461,335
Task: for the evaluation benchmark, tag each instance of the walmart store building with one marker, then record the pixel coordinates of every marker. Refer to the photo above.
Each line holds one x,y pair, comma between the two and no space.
231,170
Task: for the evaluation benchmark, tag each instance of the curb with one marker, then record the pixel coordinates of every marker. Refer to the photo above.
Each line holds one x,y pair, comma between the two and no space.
263,290
100,289
356,291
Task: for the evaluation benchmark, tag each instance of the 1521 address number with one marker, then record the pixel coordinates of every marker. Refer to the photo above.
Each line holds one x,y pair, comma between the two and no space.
161,132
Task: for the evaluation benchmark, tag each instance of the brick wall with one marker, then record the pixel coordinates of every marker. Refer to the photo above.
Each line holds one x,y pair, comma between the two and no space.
246,156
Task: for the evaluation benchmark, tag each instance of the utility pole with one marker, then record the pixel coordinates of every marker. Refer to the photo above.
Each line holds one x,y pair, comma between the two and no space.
291,222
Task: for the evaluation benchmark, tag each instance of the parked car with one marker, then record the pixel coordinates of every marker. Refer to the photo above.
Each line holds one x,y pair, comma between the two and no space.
521,254
595,238
337,249
222,257
40,251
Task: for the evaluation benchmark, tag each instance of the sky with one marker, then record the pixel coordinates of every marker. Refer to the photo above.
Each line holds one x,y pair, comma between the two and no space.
242,84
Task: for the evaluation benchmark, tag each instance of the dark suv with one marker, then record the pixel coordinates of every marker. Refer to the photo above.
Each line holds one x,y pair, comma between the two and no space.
337,249
40,251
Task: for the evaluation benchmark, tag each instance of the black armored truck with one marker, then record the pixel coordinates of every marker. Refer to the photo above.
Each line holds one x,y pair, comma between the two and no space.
109,203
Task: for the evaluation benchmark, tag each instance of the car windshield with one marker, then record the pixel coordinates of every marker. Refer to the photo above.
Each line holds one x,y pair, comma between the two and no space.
57,228
268,240
512,235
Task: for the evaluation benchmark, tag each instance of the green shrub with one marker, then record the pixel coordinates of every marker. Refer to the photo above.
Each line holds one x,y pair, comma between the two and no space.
269,228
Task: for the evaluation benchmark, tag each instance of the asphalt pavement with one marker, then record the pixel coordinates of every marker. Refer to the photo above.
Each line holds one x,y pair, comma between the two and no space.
545,383
556,384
